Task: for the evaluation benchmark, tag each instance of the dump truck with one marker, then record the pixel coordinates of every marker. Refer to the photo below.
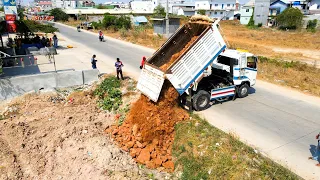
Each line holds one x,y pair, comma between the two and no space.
205,71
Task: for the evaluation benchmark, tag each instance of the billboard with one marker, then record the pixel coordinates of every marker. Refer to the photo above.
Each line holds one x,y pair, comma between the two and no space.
11,12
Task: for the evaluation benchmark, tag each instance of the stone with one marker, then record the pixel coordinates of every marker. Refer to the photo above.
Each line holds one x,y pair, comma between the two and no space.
144,156
158,161
150,164
135,129
130,144
139,144
168,165
115,132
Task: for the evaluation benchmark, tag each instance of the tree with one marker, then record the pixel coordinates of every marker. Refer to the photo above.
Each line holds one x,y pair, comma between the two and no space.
312,25
59,15
290,18
26,27
159,11
1,8
21,13
251,21
202,12
108,20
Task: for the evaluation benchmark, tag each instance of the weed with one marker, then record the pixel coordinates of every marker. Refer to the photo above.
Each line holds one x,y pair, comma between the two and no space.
110,96
2,117
151,176
231,159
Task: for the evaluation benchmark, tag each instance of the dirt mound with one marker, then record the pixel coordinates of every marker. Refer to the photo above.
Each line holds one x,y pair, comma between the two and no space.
148,130
175,56
57,138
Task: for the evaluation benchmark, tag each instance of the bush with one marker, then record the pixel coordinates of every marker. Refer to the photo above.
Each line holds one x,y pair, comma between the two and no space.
159,11
118,22
110,96
251,21
260,25
202,12
291,18
59,15
311,26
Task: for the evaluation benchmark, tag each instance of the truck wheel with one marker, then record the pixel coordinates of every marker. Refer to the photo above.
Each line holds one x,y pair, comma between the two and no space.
243,91
201,100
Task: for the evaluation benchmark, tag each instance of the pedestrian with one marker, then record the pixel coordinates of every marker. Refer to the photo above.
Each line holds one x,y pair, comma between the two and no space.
143,61
119,66
94,62
316,151
55,41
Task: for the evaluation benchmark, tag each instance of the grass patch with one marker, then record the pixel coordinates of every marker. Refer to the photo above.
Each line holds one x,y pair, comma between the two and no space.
294,74
110,96
204,152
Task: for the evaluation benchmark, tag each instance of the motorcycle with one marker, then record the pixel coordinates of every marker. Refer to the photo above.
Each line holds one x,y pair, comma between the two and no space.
101,38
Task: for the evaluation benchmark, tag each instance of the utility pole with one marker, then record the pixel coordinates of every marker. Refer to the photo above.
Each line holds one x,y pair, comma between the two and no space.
167,20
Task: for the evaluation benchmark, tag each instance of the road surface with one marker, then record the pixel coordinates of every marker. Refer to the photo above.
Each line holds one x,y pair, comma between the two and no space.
279,122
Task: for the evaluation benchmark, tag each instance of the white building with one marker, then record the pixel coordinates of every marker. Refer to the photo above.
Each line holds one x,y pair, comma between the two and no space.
172,3
147,6
66,4
314,7
220,9
246,12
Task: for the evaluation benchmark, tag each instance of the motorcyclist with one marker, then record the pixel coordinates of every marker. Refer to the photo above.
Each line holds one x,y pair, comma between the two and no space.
100,35
78,28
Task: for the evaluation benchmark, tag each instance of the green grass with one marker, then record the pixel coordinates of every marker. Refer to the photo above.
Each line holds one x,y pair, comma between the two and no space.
202,151
110,96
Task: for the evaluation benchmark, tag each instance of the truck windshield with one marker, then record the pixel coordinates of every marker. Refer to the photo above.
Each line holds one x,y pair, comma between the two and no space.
226,60
252,62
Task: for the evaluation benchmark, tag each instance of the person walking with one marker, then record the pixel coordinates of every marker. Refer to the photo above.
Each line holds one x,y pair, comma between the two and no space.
316,151
119,66
143,61
55,41
94,62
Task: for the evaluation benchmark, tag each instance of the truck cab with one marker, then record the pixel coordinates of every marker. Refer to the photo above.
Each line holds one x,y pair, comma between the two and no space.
230,75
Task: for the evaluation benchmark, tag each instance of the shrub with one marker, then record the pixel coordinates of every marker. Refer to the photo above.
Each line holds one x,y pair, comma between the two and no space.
260,25
159,11
291,18
202,12
117,21
311,26
59,15
251,21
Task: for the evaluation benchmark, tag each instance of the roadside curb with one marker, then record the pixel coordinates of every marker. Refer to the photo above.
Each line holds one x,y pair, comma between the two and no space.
112,39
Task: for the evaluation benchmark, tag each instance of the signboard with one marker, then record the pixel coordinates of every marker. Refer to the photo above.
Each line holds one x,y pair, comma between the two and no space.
9,3
42,18
11,12
11,17
11,26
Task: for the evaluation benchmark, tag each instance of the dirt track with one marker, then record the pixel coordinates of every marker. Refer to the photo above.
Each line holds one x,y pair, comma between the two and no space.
49,138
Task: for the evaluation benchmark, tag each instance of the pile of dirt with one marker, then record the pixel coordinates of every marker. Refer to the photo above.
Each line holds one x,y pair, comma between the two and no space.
201,18
148,131
175,56
55,138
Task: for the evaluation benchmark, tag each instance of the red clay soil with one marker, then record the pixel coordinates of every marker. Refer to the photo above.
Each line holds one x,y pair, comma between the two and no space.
148,131
175,56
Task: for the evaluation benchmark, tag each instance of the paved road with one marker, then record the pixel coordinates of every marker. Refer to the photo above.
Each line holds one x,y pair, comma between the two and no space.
279,122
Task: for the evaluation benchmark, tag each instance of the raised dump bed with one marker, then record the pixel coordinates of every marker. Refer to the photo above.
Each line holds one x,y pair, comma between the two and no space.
182,59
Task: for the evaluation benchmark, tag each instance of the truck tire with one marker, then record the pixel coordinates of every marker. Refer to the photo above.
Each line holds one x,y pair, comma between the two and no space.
201,100
243,91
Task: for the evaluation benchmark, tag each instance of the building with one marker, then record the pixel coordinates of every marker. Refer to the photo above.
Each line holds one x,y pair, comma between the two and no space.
147,6
88,3
184,10
118,4
139,20
246,12
66,4
159,25
219,9
278,6
261,12
314,7
43,4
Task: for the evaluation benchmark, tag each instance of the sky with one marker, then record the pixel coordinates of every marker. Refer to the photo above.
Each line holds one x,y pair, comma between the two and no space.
103,1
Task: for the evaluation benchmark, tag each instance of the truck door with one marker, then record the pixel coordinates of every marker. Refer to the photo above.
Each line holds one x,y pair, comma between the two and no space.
251,69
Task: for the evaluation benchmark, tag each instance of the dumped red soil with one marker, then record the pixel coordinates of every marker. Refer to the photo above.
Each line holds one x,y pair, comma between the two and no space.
175,56
148,131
